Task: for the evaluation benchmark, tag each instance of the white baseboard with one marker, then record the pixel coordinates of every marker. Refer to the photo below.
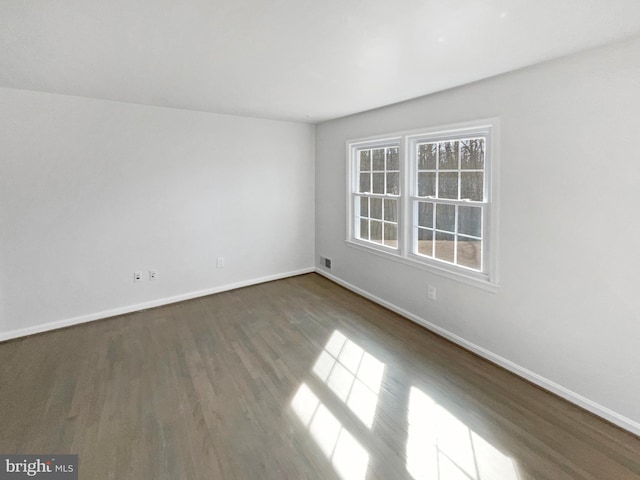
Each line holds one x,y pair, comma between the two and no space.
573,397
45,327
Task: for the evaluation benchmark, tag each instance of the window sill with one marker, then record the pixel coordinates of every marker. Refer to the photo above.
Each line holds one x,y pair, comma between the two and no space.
394,255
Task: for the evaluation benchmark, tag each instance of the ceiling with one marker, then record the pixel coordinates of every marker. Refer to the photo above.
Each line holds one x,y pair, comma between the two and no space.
302,60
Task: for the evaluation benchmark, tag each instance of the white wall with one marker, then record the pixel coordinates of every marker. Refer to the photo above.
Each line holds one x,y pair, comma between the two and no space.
567,312
92,190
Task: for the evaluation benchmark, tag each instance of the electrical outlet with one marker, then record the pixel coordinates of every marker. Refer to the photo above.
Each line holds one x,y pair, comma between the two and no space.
153,274
137,276
325,262
431,292
220,262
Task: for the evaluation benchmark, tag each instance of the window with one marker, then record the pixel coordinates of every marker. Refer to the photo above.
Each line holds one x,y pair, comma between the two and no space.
377,193
449,200
428,198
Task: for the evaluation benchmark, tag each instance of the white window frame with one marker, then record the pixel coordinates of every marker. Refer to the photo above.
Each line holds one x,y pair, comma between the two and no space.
489,129
355,147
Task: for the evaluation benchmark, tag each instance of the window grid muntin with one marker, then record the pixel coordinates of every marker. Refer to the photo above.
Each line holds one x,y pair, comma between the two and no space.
359,195
436,199
489,129
417,228
437,170
358,198
385,171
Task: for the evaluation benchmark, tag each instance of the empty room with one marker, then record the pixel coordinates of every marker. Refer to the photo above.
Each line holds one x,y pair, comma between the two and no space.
320,240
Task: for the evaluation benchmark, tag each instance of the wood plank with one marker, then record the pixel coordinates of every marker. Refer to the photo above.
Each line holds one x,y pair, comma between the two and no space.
205,389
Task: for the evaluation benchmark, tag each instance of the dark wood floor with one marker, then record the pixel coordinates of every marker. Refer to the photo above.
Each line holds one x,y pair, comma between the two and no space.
294,379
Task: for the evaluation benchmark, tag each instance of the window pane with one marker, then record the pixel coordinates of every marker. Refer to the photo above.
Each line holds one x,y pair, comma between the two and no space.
376,208
393,183
425,242
378,183
444,246
393,158
365,160
445,217
470,252
448,195
472,152
365,182
470,221
364,207
376,231
364,229
425,214
391,210
427,155
426,184
378,159
448,155
471,186
448,185
391,234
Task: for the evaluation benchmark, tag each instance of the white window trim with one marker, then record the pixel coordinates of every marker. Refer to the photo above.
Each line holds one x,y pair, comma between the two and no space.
352,178
488,127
